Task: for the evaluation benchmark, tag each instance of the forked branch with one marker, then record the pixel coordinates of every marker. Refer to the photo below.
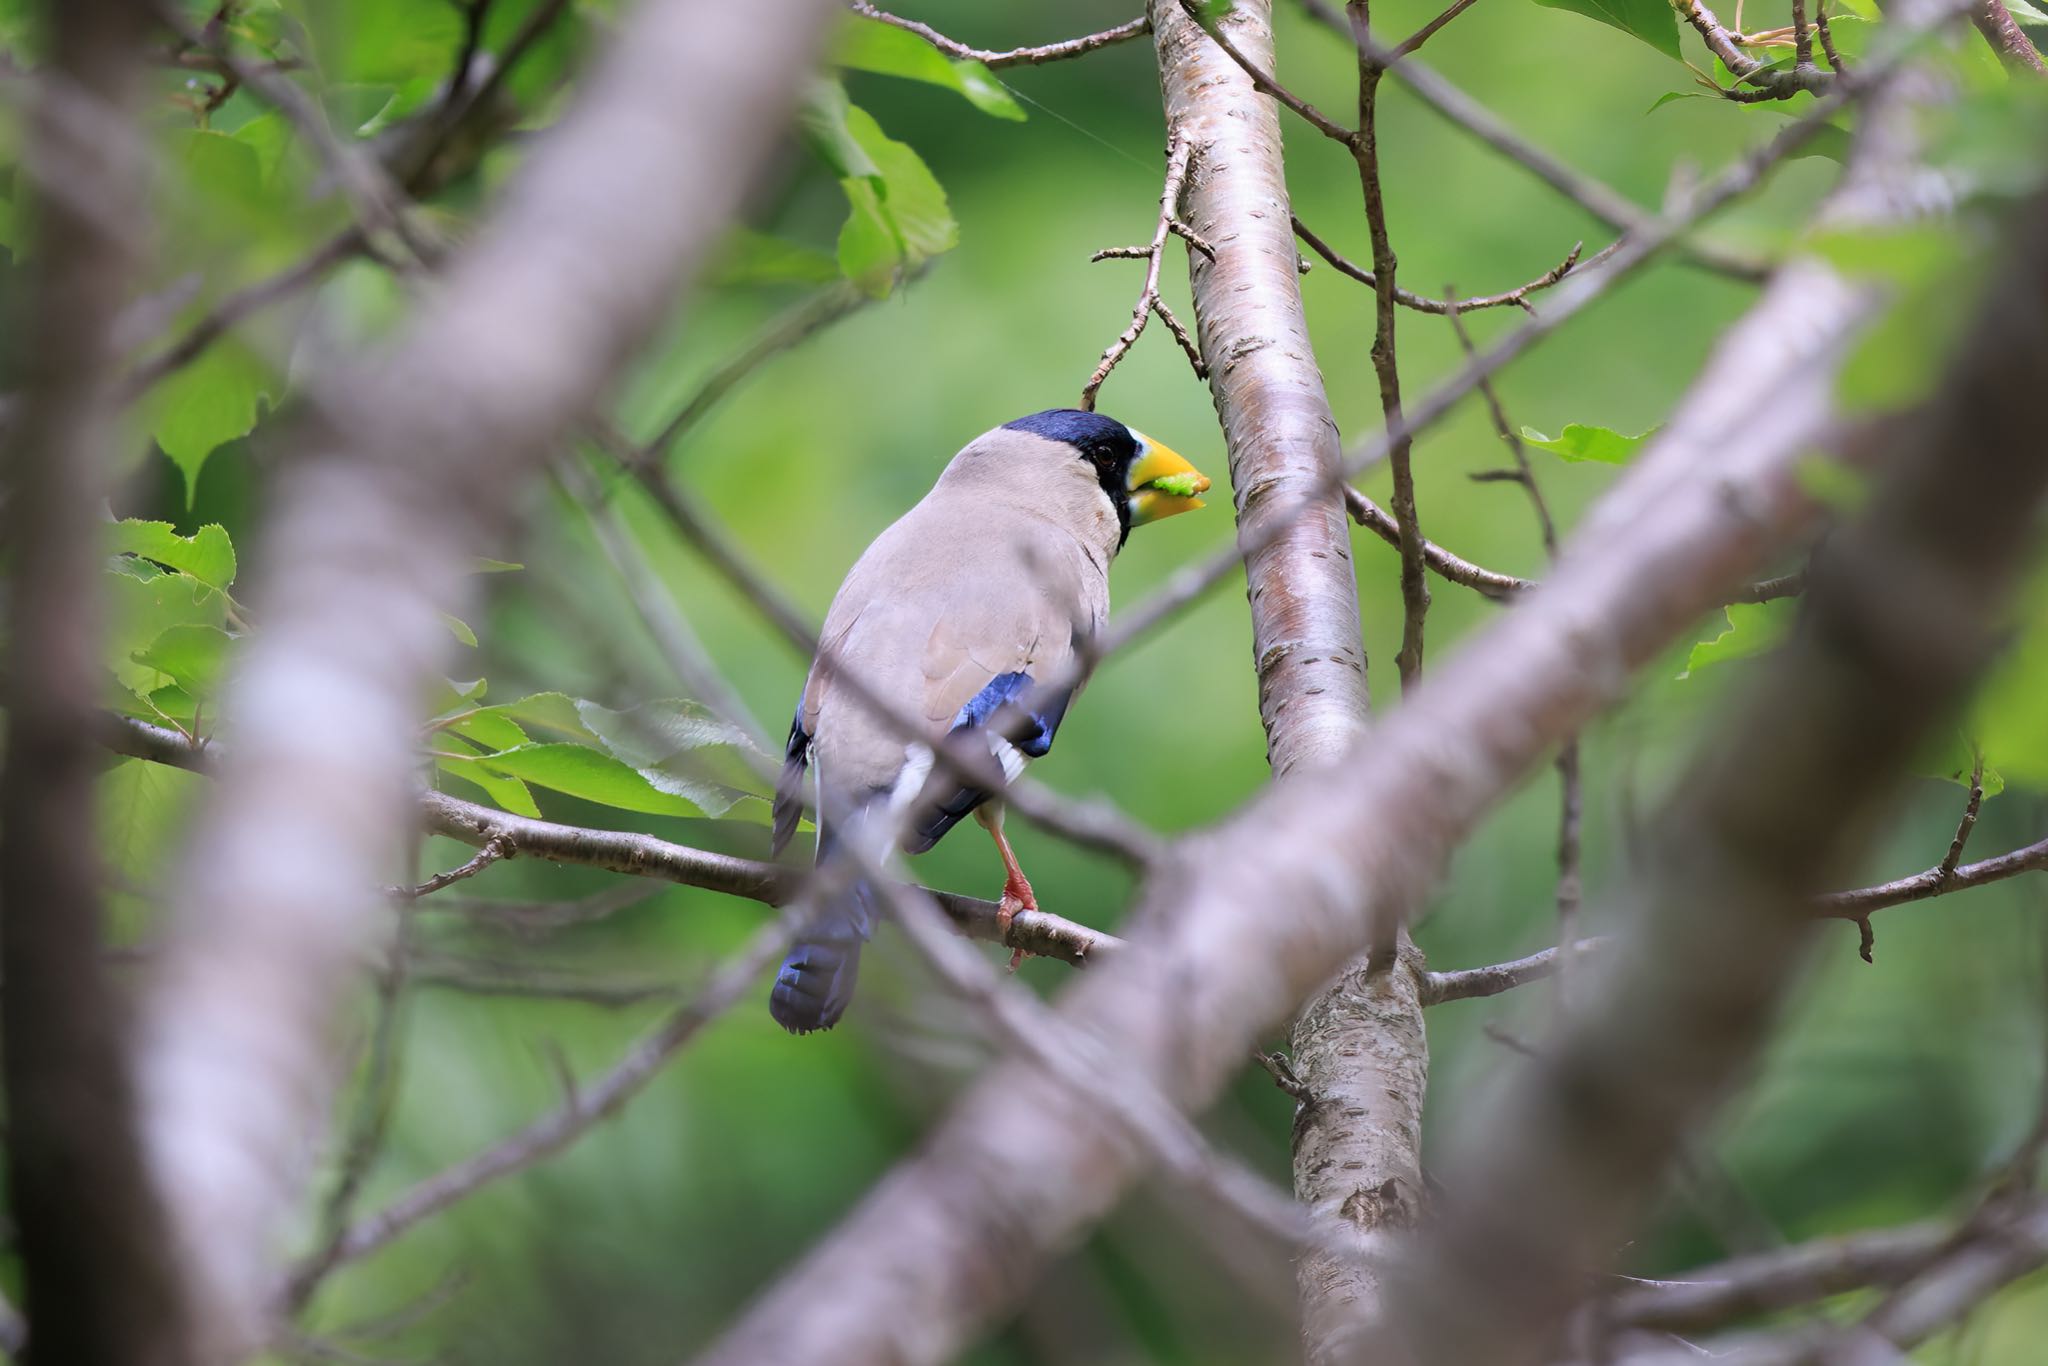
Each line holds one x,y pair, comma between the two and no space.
1179,155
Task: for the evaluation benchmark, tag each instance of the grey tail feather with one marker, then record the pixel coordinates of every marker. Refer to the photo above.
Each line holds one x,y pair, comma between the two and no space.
815,982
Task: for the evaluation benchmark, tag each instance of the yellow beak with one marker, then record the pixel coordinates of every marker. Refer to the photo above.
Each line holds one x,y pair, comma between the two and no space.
1162,483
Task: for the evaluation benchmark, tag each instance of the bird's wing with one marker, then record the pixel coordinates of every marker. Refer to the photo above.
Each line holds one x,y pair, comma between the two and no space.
953,613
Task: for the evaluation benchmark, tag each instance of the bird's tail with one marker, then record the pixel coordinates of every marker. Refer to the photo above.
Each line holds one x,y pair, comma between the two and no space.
816,980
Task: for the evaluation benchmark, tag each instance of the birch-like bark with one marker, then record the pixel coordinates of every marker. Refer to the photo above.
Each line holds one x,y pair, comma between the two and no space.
1282,440
1359,1048
102,1285
1329,859
411,467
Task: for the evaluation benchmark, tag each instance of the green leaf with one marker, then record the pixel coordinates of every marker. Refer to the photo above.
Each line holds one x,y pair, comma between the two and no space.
2026,13
2008,717
899,219
484,564
459,628
1673,96
207,555
871,45
754,258
509,794
193,657
679,748
591,774
823,121
490,730
1751,629
1650,20
1953,758
143,809
143,604
212,401
552,712
1580,442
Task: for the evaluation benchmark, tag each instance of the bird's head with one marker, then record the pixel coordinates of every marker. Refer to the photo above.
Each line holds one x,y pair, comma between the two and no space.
1145,480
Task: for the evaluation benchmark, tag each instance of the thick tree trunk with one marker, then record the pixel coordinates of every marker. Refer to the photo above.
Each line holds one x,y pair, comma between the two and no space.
1359,1048
102,1286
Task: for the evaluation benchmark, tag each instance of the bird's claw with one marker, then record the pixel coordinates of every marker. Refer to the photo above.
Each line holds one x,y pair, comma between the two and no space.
1015,899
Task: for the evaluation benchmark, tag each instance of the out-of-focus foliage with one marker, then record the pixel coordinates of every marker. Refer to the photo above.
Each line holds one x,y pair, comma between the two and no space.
1897,1084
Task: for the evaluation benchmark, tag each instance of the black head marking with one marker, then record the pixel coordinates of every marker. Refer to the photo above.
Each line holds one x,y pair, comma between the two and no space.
1106,444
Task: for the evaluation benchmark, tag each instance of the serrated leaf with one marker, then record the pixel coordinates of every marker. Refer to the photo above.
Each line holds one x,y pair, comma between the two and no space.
1580,442
142,609
1953,758
591,774
193,657
205,405
679,748
547,712
1751,629
207,554
898,220
509,794
871,45
1650,20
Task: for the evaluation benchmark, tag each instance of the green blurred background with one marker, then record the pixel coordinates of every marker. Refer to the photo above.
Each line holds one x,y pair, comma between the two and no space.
1895,1088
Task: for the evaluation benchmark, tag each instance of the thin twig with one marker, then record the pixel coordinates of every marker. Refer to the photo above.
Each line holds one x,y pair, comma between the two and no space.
1016,56
497,847
1518,297
1765,82
1860,903
1464,984
807,318
1968,823
1570,885
1429,30
378,204
1386,366
2007,38
1179,153
584,1108
618,851
1827,37
371,1120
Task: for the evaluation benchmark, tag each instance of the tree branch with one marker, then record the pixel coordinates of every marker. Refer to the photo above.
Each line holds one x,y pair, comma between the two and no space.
1179,151
413,466
1780,799
1518,297
646,856
1335,856
1016,56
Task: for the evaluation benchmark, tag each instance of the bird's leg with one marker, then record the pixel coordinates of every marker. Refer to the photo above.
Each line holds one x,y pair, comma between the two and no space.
1016,887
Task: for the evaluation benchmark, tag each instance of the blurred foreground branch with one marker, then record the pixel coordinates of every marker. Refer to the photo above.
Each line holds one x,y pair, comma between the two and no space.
412,463
1901,614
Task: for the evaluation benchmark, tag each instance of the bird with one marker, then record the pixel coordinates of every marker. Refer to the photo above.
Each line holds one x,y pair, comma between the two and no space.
967,614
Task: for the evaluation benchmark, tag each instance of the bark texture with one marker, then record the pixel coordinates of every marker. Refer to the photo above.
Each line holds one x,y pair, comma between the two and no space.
1359,1048
102,1288
1330,858
1269,397
411,466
